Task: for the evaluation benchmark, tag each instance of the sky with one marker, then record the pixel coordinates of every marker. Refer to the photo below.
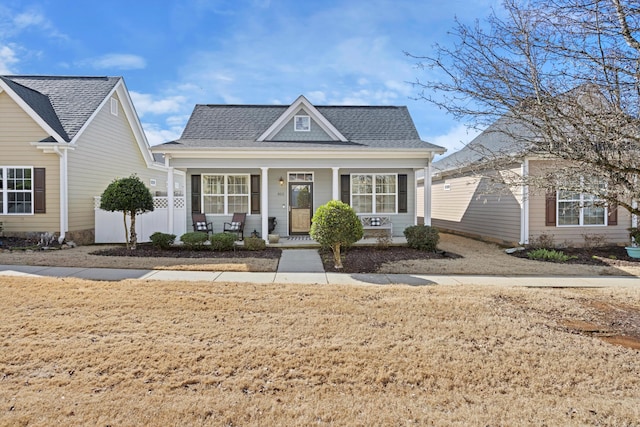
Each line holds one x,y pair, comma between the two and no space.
175,54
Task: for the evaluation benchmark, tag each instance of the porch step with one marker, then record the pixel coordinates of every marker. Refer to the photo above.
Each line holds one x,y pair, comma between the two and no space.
300,261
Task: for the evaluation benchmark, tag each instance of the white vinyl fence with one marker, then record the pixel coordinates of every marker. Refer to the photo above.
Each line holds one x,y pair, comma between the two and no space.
110,225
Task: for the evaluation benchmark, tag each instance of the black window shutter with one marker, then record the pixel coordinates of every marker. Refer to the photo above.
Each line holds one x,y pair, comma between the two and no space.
550,209
613,214
39,195
255,194
345,189
195,193
402,194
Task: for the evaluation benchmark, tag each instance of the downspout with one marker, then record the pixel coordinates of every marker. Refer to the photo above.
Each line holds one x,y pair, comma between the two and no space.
64,193
524,206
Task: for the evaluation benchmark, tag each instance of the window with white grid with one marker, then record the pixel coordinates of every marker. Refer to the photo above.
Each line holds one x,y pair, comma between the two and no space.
225,194
374,193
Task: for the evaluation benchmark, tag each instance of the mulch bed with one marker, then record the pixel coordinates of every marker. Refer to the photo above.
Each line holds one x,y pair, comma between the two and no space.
146,250
21,243
603,256
366,259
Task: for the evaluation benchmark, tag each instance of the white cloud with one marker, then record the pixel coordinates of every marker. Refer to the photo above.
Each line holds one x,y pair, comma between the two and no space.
32,19
29,19
317,97
147,104
456,138
156,135
118,61
8,59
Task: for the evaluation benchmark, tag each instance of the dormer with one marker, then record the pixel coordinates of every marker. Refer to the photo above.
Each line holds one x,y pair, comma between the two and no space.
302,122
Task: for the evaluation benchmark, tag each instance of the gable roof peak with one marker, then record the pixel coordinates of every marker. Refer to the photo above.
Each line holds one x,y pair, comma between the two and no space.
321,120
63,104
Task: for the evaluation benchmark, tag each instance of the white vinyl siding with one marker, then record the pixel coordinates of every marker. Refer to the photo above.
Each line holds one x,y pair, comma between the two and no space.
106,150
475,206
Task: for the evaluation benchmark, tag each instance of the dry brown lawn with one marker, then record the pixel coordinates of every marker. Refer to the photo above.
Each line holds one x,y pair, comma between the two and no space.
77,352
82,256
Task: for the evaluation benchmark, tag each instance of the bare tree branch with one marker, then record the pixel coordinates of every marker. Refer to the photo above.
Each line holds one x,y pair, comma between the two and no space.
555,79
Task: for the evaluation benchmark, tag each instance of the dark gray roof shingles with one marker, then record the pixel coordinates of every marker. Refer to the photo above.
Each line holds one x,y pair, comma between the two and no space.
64,102
239,126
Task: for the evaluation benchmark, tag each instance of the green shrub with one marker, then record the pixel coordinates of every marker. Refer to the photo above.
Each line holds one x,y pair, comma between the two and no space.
549,255
336,225
194,239
222,241
131,197
422,237
162,240
254,244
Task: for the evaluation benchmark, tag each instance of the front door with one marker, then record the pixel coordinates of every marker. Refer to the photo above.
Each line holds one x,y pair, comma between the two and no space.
300,208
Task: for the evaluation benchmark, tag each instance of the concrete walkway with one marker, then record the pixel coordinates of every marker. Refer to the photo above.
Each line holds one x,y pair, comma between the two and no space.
316,277
300,261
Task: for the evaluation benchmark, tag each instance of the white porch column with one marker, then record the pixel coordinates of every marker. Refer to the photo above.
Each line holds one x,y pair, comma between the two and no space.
335,194
170,202
427,195
264,203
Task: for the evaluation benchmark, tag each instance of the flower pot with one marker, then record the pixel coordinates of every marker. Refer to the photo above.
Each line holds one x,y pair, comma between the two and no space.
633,251
274,238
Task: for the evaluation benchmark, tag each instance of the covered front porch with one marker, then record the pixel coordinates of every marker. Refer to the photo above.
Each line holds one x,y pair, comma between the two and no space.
288,196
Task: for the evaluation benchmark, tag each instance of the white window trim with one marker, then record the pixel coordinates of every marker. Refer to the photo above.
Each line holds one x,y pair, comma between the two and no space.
302,118
373,194
581,215
226,193
4,191
114,106
300,172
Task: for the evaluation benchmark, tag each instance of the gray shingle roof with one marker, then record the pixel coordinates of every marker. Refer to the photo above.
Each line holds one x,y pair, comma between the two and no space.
64,102
239,126
504,138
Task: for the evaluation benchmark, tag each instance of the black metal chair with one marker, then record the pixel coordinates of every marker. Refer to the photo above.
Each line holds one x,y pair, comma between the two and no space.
236,225
200,223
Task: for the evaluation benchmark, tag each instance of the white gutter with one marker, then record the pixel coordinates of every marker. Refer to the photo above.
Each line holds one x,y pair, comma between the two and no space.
62,151
64,193
524,205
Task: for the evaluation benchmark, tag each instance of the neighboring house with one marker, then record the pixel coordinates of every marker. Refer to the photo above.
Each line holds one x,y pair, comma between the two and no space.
63,140
282,162
468,198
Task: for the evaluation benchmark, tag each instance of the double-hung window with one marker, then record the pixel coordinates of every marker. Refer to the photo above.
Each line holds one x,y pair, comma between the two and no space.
580,209
16,190
225,194
374,193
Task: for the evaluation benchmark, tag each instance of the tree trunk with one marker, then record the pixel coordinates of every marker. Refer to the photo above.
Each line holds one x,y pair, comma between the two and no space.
134,236
336,255
126,230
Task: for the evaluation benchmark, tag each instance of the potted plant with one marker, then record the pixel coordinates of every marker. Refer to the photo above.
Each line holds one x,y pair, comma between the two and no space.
634,250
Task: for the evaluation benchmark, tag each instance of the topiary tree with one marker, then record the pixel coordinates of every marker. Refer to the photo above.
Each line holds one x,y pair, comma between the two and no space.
131,197
334,225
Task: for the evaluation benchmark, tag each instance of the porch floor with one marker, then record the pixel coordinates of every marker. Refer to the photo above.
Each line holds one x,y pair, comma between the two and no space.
306,241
